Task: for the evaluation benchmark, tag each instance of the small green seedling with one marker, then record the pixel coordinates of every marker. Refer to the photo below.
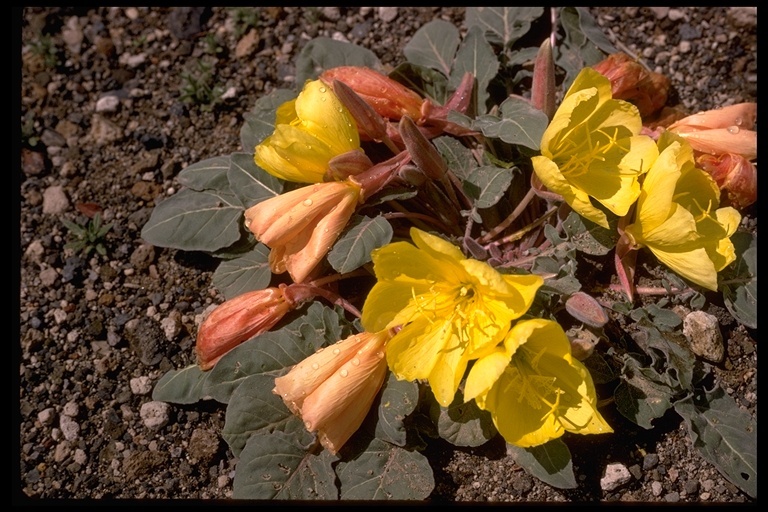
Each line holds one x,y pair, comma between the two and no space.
88,237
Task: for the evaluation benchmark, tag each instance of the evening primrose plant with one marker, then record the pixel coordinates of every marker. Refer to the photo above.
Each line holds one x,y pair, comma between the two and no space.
404,257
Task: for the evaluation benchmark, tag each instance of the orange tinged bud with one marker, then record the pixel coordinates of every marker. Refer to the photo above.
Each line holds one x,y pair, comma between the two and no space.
333,389
632,82
720,131
390,99
237,320
734,174
301,226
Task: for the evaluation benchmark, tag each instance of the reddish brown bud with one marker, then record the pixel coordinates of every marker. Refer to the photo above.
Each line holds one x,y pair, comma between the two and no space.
632,82
734,174
237,320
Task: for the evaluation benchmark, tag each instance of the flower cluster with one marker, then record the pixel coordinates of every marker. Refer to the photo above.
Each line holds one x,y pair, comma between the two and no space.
436,314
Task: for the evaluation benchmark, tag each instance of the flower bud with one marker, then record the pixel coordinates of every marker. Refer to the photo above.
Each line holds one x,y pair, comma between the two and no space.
237,320
632,82
720,131
333,389
390,99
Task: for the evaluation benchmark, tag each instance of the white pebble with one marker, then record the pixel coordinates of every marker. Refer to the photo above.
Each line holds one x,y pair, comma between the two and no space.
141,385
155,414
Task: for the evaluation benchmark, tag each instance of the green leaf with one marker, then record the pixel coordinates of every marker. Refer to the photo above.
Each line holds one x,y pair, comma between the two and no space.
487,185
253,408
457,156
209,174
584,43
739,280
245,273
475,56
674,363
550,462
503,25
589,237
386,472
260,120
353,249
398,399
434,46
193,220
250,182
276,466
520,124
641,397
183,386
462,424
423,80
724,434
323,53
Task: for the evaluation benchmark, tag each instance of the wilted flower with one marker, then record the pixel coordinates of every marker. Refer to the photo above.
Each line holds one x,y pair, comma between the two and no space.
333,389
631,81
301,226
592,149
534,388
678,217
309,132
720,131
734,174
239,319
389,98
450,309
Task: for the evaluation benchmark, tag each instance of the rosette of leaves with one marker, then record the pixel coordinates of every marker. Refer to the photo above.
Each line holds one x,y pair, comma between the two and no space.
278,458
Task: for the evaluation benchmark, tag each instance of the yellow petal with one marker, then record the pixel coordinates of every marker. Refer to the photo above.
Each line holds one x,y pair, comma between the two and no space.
694,265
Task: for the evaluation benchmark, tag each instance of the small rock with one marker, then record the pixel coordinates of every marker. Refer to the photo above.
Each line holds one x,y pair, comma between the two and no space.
108,103
141,385
32,162
171,325
703,333
675,14
52,138
615,476
69,428
72,34
48,277
71,409
103,131
55,200
62,451
387,14
656,488
203,445
155,415
34,251
330,13
660,12
143,256
46,416
247,44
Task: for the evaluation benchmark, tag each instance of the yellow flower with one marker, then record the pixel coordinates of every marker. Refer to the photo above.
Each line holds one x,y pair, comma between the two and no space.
333,389
592,149
678,217
534,388
239,319
309,132
301,226
450,309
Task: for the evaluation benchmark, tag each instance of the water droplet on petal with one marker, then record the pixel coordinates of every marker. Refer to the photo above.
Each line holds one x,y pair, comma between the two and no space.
356,362
315,366
307,202
308,425
336,351
343,373
739,121
733,129
380,354
323,89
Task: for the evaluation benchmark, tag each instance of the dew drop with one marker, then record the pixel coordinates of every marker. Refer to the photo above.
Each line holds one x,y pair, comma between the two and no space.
380,354
355,362
308,425
343,372
336,351
733,129
247,222
341,110
315,366
739,121
322,98
323,89
307,202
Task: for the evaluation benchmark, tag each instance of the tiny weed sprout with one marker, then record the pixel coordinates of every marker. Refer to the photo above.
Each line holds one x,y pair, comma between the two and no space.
88,237
409,255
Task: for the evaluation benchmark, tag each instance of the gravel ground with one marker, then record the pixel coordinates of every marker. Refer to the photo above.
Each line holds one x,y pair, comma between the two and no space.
103,125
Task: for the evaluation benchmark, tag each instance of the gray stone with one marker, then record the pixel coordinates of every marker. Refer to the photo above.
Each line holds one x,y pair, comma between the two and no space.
615,476
703,333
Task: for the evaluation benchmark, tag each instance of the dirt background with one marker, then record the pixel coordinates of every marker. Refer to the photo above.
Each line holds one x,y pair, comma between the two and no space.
103,125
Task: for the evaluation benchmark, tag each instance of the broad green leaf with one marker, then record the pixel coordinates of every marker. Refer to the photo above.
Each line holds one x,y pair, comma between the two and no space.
520,124
323,53
739,280
260,120
353,249
589,237
277,467
487,185
724,434
674,362
193,220
601,371
243,274
386,472
640,397
209,174
475,56
434,46
398,399
550,462
457,156
183,386
462,424
254,408
250,182
503,25
584,43
423,80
